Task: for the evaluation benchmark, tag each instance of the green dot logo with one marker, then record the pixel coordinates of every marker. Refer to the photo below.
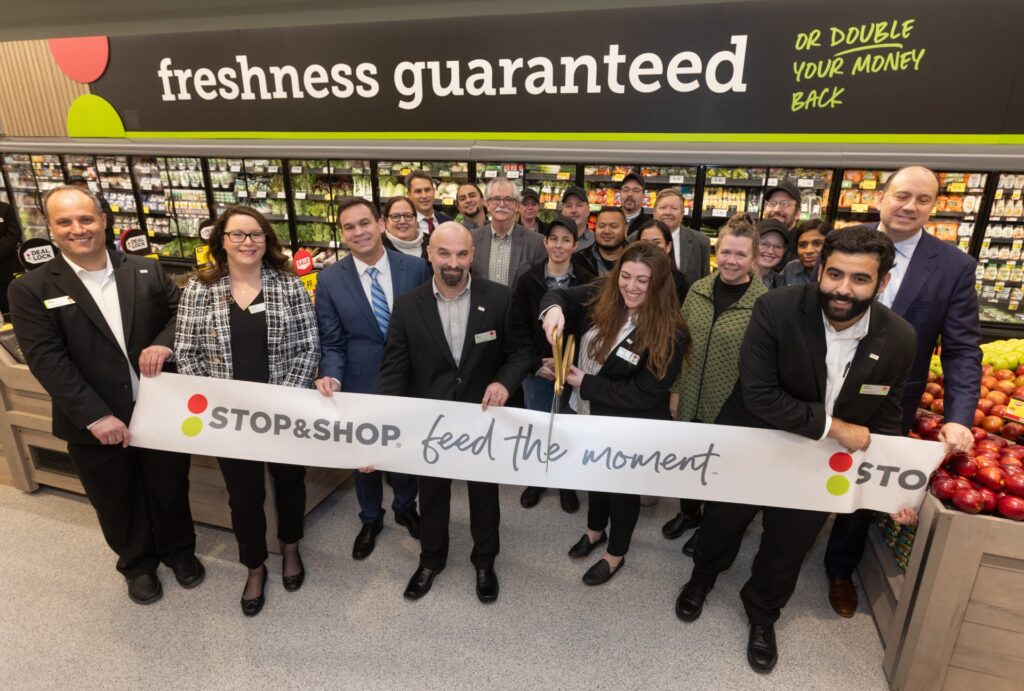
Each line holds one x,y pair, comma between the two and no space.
193,425
839,462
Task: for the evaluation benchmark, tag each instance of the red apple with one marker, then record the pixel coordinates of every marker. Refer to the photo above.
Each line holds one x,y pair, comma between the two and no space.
1006,386
992,477
940,472
938,406
962,464
925,424
1012,469
1012,430
933,435
997,397
999,442
1011,507
998,410
1017,392
944,487
985,391
932,376
914,435
963,483
934,389
978,432
968,500
985,405
978,417
992,424
1019,371
1015,450
1003,374
990,499
985,461
987,443
1015,485
989,382
1019,380
986,370
926,400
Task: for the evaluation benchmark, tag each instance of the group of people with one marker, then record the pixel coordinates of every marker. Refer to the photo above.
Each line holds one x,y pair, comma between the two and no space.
783,334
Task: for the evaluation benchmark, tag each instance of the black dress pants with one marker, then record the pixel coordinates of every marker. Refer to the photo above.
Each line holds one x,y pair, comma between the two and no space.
690,507
141,499
246,493
435,512
788,536
846,542
622,510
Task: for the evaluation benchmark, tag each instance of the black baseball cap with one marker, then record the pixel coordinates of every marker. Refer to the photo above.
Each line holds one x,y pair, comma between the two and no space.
772,225
72,179
784,186
575,191
634,176
530,193
566,223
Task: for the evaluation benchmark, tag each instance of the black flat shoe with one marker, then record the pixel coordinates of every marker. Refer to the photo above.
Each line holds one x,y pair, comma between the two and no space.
585,546
690,546
530,496
145,589
419,584
570,502
762,653
486,584
679,525
411,520
690,602
189,573
293,583
251,608
602,572
366,540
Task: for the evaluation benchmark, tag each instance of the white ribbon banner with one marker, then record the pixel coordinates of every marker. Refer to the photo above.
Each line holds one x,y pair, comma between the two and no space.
261,422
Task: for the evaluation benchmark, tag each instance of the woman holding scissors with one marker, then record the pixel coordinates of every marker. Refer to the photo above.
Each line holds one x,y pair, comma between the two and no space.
632,343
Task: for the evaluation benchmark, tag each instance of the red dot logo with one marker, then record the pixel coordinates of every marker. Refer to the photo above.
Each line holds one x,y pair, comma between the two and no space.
840,462
197,404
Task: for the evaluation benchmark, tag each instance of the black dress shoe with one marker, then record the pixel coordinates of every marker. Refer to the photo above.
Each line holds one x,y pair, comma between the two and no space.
190,572
762,654
251,608
419,584
366,540
293,583
411,520
486,584
145,589
679,525
585,546
570,502
602,572
530,497
690,546
690,602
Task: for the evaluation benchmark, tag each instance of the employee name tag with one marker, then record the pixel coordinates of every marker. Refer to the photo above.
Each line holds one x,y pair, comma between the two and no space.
627,355
256,309
874,390
54,303
486,336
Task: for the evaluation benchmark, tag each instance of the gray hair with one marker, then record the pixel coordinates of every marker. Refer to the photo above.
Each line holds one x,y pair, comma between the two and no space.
72,188
502,181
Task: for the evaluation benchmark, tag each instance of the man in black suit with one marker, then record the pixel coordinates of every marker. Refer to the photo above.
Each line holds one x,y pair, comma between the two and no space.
89,323
421,189
820,360
631,199
447,341
10,240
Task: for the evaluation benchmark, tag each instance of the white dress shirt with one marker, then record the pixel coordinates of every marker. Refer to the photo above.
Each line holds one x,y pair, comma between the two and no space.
421,222
383,277
840,347
677,247
904,253
103,289
589,365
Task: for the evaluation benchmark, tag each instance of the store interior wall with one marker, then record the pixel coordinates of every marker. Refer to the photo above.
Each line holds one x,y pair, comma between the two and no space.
36,94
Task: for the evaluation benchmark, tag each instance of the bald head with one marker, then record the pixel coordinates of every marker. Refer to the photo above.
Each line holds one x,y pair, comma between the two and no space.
451,255
916,172
907,201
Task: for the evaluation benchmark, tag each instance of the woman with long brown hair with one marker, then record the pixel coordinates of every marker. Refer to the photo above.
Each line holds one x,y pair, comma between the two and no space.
248,317
632,343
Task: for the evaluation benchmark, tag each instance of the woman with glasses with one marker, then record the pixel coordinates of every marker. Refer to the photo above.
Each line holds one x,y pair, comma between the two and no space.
771,251
810,237
249,318
401,232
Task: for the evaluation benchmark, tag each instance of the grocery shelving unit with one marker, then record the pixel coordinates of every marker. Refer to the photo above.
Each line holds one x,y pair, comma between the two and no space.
730,190
602,181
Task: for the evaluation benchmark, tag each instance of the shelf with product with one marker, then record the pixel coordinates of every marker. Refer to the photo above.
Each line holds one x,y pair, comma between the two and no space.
152,180
113,174
859,192
602,182
448,177
391,178
957,207
814,184
25,194
728,191
226,182
315,184
551,180
1000,272
85,167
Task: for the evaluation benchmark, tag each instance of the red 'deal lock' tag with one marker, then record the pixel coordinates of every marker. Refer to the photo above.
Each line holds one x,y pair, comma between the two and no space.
303,262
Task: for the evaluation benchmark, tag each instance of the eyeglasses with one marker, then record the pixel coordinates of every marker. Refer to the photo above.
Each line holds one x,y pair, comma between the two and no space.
258,237
780,203
401,217
502,201
772,247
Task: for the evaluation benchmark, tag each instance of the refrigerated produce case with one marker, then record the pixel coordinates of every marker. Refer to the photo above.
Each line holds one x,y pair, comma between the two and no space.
26,194
602,182
1000,276
551,180
113,175
729,191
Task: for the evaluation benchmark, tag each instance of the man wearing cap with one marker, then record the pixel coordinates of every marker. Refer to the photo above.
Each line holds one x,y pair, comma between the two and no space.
631,199
576,205
609,241
691,249
504,250
782,202
771,251
471,206
529,207
420,187
81,183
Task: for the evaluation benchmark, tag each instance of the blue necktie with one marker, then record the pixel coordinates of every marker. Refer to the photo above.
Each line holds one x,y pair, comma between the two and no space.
379,301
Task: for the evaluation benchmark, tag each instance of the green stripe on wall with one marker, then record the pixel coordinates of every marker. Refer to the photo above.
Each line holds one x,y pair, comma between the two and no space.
743,137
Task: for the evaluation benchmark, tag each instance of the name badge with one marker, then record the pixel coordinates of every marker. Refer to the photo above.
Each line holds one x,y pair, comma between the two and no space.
62,301
874,390
486,336
256,309
627,355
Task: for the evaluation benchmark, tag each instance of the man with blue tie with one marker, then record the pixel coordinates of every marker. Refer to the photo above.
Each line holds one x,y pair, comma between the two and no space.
354,298
931,286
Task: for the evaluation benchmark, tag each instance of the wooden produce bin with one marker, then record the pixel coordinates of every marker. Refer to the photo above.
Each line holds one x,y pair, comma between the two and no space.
35,457
955,620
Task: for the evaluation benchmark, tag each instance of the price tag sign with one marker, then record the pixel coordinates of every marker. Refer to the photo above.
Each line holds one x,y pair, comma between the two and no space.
512,174
296,170
447,201
115,208
271,169
772,182
618,177
490,173
235,168
326,170
261,195
117,169
300,195
718,213
956,187
998,194
676,179
718,180
242,194
563,175
404,171
445,173
868,185
100,167
309,283
805,182
550,205
859,208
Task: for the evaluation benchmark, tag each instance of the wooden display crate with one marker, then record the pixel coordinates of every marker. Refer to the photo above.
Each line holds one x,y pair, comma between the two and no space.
955,620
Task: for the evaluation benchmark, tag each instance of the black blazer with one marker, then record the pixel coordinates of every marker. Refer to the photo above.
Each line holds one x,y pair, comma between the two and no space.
619,388
526,297
71,350
417,361
783,374
10,240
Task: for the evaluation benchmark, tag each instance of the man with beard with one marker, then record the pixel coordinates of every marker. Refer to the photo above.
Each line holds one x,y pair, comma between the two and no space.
503,250
575,205
782,202
806,355
609,241
471,205
447,341
631,199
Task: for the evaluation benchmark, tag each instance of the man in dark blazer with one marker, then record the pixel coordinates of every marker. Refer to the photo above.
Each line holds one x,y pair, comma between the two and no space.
631,198
89,323
819,360
421,189
519,249
448,341
691,249
353,325
10,240
932,287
